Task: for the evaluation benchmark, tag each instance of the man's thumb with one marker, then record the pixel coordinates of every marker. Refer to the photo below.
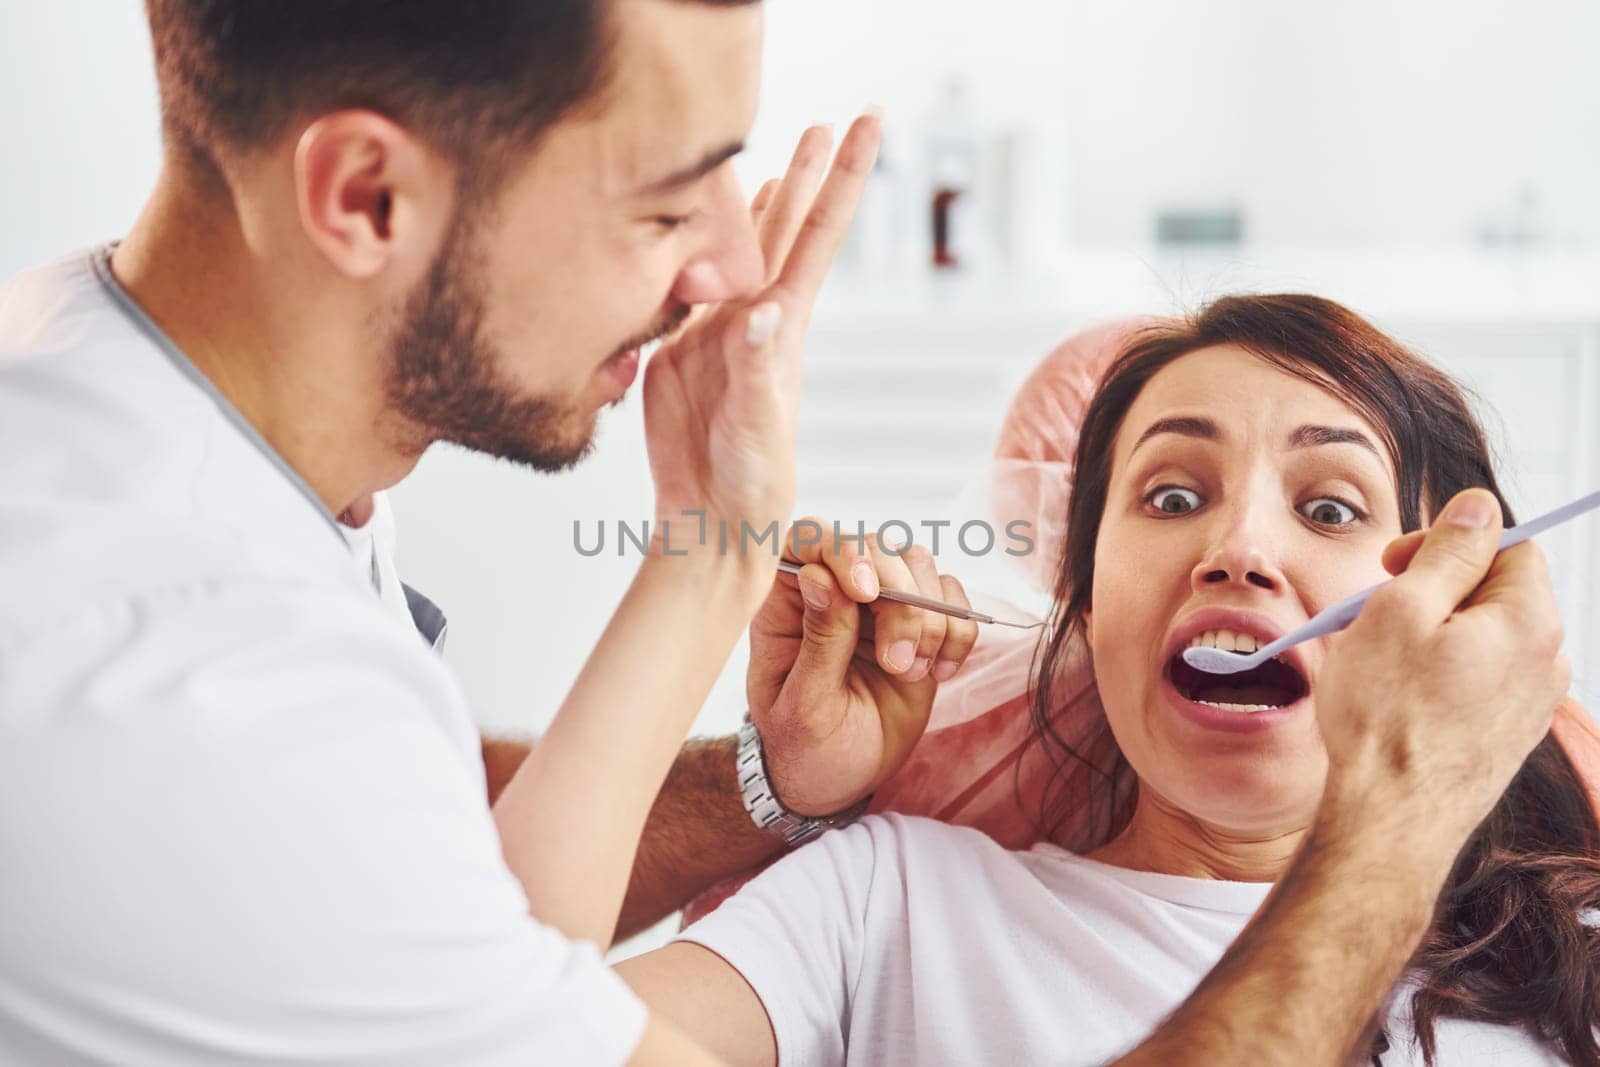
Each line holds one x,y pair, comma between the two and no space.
1456,553
830,627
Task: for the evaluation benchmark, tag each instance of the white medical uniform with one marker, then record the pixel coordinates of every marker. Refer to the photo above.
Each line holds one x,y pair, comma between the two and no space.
242,814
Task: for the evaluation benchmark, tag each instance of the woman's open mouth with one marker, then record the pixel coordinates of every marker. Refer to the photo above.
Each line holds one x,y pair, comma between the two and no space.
1274,684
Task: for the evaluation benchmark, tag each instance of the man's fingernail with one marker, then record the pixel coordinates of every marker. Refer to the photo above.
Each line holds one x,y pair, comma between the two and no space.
815,596
919,669
762,324
865,577
1472,510
901,655
945,670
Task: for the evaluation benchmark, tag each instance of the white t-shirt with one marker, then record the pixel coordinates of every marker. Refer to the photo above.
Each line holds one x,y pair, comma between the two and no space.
907,941
242,811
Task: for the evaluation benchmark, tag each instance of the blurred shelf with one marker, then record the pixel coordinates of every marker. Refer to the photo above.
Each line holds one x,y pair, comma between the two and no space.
849,418
1447,284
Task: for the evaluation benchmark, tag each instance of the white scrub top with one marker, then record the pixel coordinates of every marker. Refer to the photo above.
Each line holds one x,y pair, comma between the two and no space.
242,807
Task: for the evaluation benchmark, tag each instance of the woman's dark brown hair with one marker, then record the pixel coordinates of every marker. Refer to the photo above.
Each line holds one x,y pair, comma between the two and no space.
1509,943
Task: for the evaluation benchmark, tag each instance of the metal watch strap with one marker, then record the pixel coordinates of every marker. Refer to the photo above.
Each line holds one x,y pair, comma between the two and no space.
763,804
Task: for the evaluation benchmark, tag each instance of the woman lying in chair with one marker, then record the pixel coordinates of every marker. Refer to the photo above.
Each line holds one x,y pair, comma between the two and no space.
1235,473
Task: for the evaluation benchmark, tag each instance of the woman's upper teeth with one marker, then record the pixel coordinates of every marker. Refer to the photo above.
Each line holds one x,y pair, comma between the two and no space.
1227,640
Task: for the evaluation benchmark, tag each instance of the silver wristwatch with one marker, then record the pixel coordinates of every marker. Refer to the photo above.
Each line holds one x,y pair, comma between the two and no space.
762,803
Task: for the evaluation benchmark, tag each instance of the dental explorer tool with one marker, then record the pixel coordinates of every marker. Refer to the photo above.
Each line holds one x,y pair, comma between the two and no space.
930,604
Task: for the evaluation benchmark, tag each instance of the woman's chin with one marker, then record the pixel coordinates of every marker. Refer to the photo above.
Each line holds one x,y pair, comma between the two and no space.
1250,771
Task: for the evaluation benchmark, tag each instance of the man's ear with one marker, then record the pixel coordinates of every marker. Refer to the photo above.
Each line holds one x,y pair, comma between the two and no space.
368,192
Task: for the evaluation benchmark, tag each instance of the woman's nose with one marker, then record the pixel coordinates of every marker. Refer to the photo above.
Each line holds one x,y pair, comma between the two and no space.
1240,555
1260,577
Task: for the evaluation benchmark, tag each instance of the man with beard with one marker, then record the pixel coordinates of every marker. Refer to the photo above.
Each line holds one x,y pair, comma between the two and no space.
242,806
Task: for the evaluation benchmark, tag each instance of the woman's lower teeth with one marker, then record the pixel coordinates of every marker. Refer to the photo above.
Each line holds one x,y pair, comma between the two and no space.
1236,707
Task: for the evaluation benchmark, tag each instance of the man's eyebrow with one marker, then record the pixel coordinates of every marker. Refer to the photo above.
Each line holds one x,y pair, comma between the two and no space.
687,175
1311,436
1184,425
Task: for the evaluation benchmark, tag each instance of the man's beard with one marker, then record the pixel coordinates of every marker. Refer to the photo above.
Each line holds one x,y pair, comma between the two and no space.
442,378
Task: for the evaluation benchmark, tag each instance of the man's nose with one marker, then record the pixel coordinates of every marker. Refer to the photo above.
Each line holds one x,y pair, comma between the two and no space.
1240,553
729,265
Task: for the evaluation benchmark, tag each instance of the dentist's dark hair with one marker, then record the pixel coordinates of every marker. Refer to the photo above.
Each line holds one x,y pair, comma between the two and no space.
477,79
1509,943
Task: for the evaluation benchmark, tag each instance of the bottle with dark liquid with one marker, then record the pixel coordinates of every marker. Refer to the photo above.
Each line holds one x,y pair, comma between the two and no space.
952,165
944,201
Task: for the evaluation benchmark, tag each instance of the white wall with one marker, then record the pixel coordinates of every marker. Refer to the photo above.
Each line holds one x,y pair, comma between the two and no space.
1406,119
1366,121
79,129
1357,122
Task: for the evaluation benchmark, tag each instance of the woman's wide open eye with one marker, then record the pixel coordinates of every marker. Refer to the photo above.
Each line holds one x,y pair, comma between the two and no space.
1329,511
1174,500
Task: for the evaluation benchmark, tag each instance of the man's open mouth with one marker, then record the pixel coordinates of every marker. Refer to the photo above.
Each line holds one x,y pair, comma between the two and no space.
1274,684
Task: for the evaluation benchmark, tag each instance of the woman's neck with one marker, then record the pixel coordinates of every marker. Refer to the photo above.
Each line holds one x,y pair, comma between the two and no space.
1166,840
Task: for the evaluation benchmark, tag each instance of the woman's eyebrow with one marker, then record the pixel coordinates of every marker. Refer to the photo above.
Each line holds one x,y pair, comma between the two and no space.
1312,436
1184,425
